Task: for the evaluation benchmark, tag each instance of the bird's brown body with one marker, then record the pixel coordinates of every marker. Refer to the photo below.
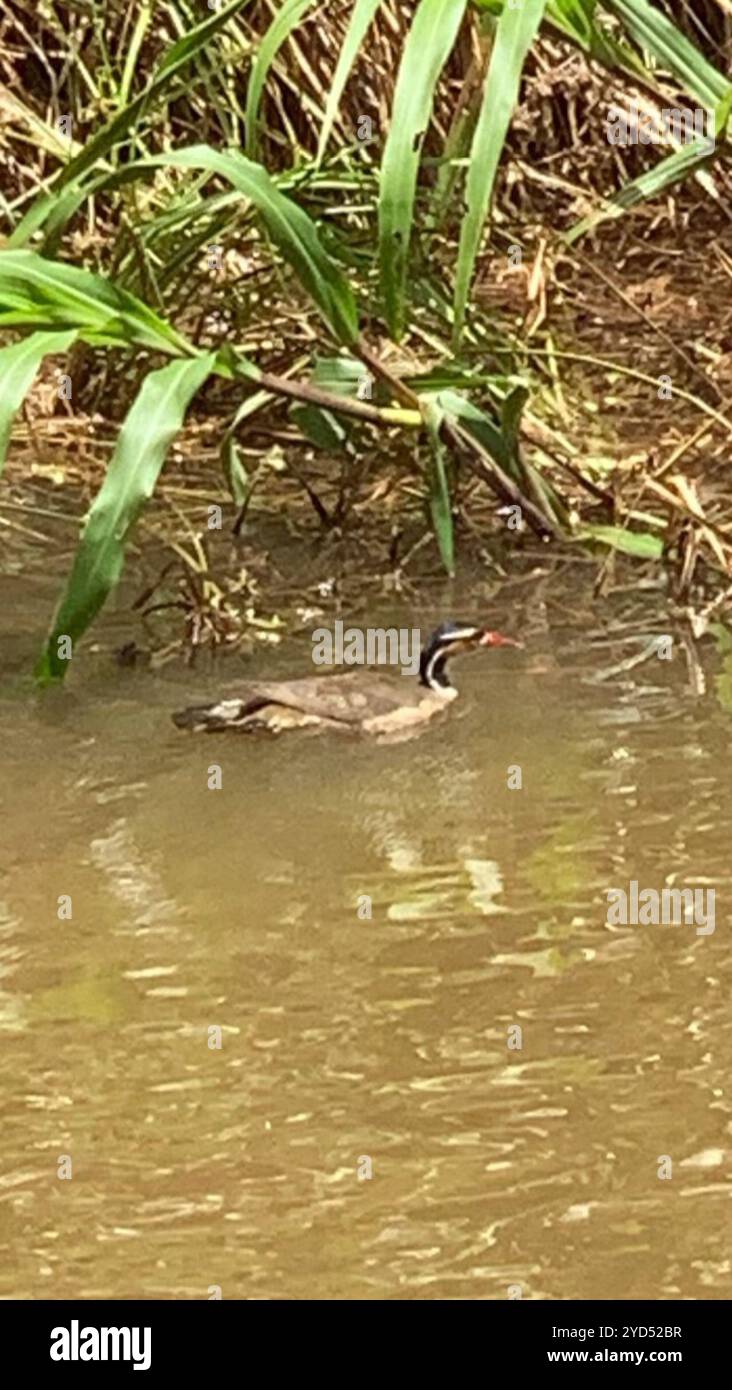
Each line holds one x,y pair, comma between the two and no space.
368,704
361,703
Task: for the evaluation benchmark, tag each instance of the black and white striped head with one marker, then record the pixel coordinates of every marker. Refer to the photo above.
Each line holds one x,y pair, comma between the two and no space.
452,639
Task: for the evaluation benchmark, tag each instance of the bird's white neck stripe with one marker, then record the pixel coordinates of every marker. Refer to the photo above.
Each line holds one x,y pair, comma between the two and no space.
431,679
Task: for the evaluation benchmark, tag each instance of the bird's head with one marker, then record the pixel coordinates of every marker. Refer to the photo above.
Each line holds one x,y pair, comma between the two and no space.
453,639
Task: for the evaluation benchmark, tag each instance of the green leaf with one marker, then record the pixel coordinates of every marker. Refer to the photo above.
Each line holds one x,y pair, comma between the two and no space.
641,544
18,366
279,30
429,42
150,427
456,376
319,426
511,412
35,291
363,13
343,376
438,487
235,470
515,33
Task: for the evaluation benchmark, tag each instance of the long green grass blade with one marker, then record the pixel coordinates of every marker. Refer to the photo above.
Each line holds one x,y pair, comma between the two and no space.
438,488
642,544
132,56
429,42
18,366
363,13
515,32
35,292
279,31
146,435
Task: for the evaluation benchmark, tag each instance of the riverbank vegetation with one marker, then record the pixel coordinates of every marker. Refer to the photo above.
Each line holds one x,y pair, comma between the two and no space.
383,257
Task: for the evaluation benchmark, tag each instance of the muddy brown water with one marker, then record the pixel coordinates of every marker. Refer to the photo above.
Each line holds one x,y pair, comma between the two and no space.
350,1043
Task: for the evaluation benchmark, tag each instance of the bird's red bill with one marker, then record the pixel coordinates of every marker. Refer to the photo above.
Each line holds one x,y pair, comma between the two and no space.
497,639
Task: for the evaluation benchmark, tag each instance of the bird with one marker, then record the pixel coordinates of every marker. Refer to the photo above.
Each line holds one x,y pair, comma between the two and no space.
355,702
